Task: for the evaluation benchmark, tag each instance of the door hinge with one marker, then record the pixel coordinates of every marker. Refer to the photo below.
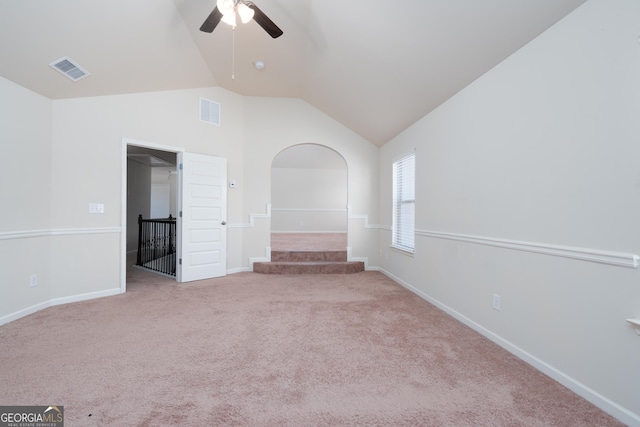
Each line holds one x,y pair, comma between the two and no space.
180,166
180,214
180,261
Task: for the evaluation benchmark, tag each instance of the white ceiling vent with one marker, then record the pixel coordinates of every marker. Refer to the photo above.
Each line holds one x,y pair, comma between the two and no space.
209,111
70,69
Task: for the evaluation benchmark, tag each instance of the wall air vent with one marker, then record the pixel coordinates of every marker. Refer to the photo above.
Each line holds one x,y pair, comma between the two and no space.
209,111
70,69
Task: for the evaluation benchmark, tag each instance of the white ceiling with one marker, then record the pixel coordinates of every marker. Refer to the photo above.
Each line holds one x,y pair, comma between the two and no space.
374,68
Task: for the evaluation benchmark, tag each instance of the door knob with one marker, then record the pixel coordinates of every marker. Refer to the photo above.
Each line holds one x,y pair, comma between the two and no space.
224,222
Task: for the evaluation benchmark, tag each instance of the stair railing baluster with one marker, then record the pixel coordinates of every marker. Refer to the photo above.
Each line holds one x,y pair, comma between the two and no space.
156,244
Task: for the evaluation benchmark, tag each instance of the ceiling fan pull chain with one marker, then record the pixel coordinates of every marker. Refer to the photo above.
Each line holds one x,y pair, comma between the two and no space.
233,53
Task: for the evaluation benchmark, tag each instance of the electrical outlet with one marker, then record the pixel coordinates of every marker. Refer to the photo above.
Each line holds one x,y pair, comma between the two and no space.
496,302
96,208
33,280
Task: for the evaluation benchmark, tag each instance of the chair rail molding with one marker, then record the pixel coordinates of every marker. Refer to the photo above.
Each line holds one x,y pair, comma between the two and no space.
619,259
252,218
306,210
24,234
364,217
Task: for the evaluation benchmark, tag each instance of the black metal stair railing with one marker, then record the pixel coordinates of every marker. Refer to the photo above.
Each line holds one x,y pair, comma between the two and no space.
157,244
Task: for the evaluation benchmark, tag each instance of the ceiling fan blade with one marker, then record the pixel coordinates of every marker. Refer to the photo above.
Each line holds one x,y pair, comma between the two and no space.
212,21
264,21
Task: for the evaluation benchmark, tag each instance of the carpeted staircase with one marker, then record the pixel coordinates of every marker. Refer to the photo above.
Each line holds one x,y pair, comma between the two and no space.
308,253
308,262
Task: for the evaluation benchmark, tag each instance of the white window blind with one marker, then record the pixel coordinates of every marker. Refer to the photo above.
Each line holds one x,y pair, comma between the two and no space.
404,194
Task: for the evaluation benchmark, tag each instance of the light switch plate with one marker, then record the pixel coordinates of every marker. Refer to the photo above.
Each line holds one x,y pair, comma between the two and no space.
496,302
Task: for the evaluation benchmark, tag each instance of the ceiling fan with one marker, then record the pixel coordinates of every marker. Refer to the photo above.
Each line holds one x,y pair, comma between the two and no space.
225,11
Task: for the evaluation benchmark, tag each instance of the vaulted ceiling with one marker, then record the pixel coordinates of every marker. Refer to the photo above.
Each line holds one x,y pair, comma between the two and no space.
375,66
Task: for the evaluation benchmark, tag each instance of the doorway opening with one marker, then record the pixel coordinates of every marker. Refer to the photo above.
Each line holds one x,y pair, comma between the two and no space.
309,199
151,210
196,197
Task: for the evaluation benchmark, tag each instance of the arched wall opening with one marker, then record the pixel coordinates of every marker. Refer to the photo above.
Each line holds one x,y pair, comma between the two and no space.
309,193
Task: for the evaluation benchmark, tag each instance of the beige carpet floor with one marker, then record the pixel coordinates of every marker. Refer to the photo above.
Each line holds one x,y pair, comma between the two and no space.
262,350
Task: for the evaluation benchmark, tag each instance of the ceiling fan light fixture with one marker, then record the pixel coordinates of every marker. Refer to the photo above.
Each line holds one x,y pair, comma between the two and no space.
245,12
229,18
226,7
225,10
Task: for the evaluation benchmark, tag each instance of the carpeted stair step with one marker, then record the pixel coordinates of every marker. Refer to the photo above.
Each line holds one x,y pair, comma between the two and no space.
309,267
308,256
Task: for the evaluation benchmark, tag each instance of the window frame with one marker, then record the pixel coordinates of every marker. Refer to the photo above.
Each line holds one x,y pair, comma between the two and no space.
403,219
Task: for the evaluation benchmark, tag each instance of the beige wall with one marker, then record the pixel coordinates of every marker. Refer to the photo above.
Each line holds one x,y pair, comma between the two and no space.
26,149
76,154
87,167
25,191
278,123
168,177
138,199
308,200
542,150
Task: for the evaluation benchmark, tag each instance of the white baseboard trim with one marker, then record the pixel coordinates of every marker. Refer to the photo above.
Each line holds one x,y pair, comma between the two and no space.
266,258
612,408
57,301
584,254
87,296
359,259
24,312
239,270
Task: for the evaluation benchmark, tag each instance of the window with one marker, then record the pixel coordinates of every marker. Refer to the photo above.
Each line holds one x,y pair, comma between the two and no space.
404,194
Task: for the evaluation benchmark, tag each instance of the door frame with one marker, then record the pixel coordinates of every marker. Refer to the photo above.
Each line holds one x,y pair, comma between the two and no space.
123,197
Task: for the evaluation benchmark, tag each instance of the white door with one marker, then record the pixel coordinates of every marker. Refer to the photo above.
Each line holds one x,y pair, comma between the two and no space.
203,234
